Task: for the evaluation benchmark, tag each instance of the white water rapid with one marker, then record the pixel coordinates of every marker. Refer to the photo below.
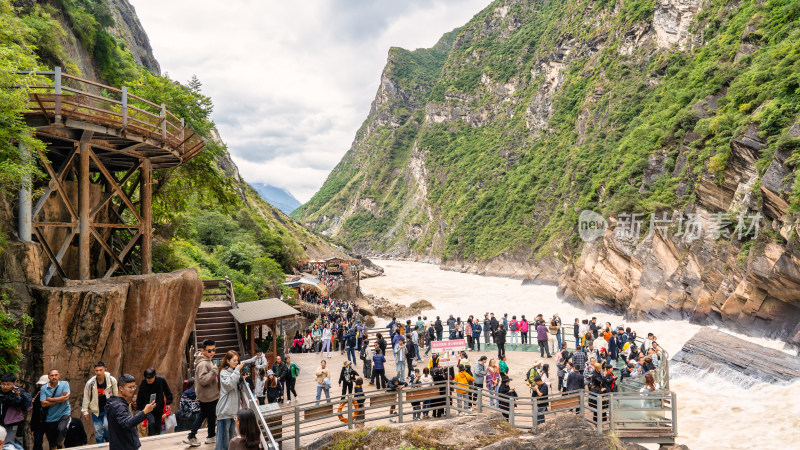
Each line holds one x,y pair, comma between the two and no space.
714,412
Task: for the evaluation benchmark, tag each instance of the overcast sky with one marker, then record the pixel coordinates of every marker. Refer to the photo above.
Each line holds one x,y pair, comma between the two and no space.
291,81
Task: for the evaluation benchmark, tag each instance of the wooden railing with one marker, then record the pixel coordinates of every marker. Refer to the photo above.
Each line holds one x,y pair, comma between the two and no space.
70,97
636,417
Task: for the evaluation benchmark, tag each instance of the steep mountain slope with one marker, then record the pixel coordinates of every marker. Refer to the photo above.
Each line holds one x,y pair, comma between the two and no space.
205,216
277,197
541,110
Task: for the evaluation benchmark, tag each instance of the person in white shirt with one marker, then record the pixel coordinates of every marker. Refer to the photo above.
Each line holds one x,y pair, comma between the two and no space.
326,339
259,360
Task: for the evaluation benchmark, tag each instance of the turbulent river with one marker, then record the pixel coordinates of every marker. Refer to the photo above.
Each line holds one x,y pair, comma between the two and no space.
714,412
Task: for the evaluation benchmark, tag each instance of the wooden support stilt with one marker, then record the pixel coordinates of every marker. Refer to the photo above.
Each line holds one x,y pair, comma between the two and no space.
84,191
147,217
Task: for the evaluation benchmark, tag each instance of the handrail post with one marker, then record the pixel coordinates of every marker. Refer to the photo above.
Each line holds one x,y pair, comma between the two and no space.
296,427
582,403
57,91
674,415
611,412
535,409
164,122
448,397
480,400
124,107
349,413
511,406
183,124
399,407
599,411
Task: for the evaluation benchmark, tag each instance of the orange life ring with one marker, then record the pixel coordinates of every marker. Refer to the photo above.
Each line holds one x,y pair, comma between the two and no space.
343,406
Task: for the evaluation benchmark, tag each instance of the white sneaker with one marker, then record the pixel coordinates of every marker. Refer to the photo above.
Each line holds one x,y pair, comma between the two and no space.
211,440
193,442
393,420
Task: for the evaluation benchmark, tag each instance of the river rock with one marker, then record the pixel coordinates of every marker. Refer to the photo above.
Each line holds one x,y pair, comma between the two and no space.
486,430
386,309
714,351
131,323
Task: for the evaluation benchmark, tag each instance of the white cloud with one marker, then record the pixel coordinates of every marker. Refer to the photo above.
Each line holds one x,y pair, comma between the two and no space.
291,81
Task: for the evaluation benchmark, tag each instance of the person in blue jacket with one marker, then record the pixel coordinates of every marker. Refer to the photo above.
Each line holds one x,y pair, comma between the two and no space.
378,370
476,334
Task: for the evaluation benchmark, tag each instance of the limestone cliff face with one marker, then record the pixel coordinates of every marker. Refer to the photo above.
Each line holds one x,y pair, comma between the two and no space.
128,28
543,109
707,280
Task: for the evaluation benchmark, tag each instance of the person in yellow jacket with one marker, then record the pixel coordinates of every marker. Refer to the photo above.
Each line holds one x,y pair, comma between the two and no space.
434,362
463,379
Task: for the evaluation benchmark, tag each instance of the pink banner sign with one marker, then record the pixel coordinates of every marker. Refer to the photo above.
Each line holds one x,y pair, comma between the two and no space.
454,345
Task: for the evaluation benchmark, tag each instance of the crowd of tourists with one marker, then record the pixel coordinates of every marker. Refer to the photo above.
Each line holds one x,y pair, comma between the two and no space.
122,409
603,356
336,323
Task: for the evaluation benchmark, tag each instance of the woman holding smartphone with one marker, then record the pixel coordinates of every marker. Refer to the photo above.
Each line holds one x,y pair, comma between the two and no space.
230,371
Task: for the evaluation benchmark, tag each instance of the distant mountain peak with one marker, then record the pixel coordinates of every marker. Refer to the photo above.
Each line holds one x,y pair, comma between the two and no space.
277,197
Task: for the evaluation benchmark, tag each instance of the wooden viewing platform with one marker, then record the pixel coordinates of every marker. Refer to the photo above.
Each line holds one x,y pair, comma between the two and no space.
102,147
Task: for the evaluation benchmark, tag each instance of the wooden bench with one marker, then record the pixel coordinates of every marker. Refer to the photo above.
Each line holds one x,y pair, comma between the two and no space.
573,402
418,395
385,399
318,411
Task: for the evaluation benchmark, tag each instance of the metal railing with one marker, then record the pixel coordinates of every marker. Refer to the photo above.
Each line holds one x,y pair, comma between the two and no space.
638,417
661,374
249,400
71,97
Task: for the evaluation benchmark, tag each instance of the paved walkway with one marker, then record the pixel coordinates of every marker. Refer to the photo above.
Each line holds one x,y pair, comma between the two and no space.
518,363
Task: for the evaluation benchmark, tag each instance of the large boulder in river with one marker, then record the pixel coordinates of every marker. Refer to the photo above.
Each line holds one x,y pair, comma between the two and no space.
717,352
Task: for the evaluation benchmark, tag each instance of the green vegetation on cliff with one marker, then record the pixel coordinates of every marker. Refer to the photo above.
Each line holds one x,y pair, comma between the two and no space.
543,109
204,217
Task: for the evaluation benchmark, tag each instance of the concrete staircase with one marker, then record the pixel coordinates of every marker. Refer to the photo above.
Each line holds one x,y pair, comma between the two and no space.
216,322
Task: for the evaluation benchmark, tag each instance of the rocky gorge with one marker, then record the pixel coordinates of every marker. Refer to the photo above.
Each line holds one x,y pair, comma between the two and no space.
480,153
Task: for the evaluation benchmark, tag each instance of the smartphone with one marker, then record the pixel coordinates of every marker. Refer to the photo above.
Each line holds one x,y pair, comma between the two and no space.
152,398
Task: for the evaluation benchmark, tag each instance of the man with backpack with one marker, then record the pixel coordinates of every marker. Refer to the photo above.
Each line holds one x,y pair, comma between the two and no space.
513,328
439,328
451,326
532,373
351,341
430,338
207,390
